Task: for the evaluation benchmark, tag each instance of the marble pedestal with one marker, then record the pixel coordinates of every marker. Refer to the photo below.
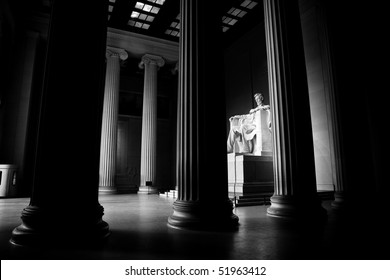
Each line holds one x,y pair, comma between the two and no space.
249,175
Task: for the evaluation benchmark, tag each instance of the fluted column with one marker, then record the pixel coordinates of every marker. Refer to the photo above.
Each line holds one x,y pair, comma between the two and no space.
110,120
203,189
294,171
176,70
64,209
151,64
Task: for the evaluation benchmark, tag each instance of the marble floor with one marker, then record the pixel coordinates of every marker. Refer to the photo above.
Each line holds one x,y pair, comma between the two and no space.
139,230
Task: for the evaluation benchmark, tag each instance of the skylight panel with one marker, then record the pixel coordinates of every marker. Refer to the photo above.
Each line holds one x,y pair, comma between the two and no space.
237,12
149,18
139,5
245,3
226,19
159,2
251,5
174,29
174,24
241,14
173,33
147,8
155,10
138,24
142,16
232,22
112,1
248,4
234,11
134,14
110,8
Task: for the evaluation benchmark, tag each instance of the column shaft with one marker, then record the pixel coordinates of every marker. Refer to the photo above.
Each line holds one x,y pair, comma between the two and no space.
202,201
293,155
110,120
64,208
178,124
148,182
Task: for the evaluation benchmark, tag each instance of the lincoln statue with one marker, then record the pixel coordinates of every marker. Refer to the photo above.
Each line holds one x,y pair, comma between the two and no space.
251,133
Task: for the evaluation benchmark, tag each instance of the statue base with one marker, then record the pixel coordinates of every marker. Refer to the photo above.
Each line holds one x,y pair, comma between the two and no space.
250,176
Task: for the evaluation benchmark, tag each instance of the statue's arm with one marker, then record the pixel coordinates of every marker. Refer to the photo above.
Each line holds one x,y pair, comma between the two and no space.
237,117
261,107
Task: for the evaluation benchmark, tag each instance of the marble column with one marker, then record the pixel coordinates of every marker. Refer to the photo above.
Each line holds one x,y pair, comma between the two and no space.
176,71
293,155
64,209
203,189
110,120
151,64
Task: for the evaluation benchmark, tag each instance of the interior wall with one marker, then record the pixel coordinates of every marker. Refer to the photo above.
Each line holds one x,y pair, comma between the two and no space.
245,72
130,128
17,107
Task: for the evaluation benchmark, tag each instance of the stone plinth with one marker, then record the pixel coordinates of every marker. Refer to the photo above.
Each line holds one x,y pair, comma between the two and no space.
249,174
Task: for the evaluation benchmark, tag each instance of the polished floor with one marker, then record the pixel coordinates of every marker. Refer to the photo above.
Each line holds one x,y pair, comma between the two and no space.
139,230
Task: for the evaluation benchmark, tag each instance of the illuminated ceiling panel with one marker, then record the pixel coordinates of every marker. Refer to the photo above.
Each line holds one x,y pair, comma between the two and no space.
161,18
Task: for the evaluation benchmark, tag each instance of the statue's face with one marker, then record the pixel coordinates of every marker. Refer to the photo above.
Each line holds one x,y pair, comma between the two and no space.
259,99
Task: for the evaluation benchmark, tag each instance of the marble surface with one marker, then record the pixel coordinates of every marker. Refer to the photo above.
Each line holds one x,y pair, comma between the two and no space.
139,231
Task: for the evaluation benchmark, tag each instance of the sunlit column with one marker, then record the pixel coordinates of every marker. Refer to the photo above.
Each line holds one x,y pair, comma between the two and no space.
294,170
151,64
110,120
202,169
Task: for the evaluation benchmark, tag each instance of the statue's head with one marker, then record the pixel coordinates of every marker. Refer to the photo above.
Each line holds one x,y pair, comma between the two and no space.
259,98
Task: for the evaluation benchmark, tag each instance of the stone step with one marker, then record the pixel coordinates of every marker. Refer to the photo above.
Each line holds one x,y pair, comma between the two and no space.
264,198
253,203
326,195
253,199
171,193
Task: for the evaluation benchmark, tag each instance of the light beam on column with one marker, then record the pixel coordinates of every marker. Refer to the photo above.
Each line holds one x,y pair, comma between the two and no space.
203,201
110,120
294,168
151,64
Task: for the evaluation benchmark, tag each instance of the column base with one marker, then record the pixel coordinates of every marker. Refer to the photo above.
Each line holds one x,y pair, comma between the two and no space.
147,190
297,209
199,216
107,189
51,228
339,200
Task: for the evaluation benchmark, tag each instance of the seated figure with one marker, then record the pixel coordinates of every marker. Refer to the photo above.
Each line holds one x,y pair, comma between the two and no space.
250,133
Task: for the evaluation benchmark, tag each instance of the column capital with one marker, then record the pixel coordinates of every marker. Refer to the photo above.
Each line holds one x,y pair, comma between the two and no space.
151,59
121,53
